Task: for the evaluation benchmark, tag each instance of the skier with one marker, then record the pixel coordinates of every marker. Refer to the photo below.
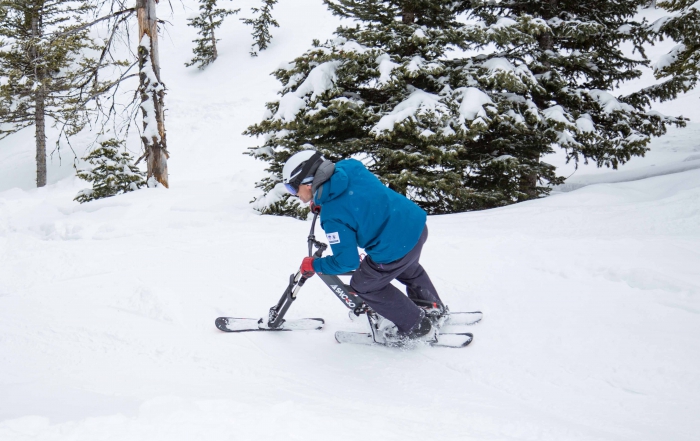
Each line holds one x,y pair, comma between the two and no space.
359,211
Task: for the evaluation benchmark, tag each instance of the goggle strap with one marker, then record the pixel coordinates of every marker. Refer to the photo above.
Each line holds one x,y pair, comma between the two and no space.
308,165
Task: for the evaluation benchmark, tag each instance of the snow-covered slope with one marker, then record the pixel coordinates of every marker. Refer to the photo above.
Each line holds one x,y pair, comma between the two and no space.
591,297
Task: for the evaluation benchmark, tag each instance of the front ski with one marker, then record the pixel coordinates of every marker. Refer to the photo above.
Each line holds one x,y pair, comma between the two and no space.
444,340
234,324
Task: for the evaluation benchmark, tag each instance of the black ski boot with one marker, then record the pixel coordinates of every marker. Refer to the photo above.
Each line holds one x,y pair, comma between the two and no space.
436,312
386,332
421,331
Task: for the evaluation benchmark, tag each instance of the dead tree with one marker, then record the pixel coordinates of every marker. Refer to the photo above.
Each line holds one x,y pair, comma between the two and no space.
152,92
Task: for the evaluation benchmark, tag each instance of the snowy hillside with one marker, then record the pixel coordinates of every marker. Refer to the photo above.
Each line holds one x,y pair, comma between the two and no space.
591,296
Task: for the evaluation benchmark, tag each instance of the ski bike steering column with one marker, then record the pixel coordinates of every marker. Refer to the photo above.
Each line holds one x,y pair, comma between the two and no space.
296,281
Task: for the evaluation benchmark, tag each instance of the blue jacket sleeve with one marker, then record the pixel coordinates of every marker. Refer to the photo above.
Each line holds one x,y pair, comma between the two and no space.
343,241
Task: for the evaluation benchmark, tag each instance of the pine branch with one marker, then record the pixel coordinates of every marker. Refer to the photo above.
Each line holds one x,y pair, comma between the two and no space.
207,22
57,35
261,26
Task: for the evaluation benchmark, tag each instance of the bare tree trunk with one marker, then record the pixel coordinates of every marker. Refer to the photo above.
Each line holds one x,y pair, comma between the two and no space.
40,136
152,90
215,54
408,17
39,104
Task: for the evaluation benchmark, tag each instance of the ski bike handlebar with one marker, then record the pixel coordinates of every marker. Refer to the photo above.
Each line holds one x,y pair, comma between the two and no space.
311,240
344,292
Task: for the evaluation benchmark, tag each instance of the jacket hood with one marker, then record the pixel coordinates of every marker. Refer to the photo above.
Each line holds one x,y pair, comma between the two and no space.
333,187
322,174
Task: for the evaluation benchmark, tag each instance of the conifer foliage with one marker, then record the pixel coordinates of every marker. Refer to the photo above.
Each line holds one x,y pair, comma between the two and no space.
112,172
680,67
374,92
261,26
209,19
568,58
45,69
457,132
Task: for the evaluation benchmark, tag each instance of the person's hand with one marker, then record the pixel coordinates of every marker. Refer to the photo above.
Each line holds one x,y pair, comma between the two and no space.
307,267
315,208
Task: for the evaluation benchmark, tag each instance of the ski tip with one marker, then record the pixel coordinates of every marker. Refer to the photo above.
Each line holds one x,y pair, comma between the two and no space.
464,318
454,340
469,338
221,323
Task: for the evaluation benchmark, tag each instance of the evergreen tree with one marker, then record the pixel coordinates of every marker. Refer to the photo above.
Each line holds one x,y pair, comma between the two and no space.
459,132
261,26
45,69
680,67
112,173
573,52
207,22
378,92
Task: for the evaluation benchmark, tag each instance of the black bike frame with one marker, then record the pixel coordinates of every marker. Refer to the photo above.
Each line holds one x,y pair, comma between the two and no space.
341,290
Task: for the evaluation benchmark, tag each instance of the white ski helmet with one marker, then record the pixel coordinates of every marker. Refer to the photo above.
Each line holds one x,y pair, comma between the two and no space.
300,168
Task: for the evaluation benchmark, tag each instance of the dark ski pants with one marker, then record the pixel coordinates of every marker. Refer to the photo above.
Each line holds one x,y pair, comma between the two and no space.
372,282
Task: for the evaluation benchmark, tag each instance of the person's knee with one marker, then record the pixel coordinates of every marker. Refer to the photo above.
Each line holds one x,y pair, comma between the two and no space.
360,286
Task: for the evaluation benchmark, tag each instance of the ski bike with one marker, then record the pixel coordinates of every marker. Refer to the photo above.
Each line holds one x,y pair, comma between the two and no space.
276,316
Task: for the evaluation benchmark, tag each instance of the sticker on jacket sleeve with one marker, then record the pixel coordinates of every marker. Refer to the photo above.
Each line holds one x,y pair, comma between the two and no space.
333,238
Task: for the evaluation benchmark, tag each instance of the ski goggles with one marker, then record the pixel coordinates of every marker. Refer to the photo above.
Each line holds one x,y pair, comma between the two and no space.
294,190
291,189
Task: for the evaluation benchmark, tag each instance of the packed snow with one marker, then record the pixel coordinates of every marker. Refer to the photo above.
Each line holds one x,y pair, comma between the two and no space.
591,297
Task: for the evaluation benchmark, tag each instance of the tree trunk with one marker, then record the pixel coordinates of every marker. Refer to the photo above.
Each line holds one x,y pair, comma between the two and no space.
546,43
152,91
215,54
39,103
408,17
40,136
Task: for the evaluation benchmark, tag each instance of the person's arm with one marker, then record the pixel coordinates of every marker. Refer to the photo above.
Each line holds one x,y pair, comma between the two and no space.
343,242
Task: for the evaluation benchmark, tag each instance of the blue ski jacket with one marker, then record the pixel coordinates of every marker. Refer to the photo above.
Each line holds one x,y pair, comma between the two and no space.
357,210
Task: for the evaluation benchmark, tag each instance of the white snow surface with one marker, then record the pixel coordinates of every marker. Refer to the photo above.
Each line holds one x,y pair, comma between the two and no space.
591,297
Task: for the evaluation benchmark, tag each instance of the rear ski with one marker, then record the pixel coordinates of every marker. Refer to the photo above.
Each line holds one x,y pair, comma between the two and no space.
444,340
